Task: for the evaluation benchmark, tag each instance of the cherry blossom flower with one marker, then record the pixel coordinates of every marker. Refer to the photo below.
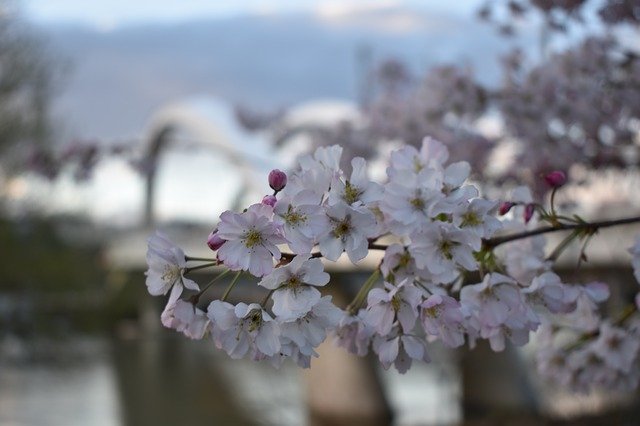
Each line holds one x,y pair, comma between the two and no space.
354,334
316,172
493,300
186,318
516,328
398,265
387,304
293,285
588,368
167,263
251,240
400,350
552,363
237,329
329,157
474,217
442,248
442,317
410,202
302,220
617,348
349,230
585,316
358,189
308,331
453,179
433,154
547,290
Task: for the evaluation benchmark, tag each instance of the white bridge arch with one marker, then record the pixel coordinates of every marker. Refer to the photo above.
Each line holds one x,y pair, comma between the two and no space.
206,122
211,124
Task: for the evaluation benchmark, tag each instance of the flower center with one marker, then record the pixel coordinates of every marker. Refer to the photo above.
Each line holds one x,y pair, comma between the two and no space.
557,361
592,360
293,218
614,343
470,219
252,238
170,273
445,248
396,302
432,312
255,320
417,203
342,229
404,260
486,294
351,194
293,282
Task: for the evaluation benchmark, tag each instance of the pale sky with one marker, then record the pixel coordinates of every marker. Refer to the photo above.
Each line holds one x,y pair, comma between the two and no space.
116,192
113,13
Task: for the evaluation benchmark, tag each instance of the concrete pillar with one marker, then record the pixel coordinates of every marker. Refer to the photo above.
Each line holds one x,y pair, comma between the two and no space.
342,388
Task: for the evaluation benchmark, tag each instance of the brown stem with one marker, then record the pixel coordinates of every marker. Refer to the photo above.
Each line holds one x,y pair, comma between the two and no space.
491,243
290,256
198,259
372,246
592,226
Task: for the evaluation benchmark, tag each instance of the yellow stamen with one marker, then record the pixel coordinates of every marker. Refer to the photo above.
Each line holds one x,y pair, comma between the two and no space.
252,238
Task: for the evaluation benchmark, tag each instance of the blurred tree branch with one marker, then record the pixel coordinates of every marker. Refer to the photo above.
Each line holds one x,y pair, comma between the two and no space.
27,77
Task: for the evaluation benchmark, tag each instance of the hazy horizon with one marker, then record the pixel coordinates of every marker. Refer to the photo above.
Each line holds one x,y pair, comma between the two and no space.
118,78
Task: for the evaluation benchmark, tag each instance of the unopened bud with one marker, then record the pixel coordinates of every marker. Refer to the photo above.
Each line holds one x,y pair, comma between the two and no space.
529,209
269,200
277,179
556,179
505,207
214,241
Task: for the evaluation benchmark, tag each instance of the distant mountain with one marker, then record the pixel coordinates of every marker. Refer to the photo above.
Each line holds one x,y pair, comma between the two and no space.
118,78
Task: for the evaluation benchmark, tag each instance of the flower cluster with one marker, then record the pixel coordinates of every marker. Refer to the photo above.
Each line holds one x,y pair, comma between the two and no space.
442,276
583,351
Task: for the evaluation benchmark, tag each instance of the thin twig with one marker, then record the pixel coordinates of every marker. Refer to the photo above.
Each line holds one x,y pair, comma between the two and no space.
195,268
198,259
230,286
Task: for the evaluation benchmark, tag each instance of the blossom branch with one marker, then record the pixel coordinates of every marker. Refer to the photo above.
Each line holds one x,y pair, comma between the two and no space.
372,246
627,312
442,233
583,226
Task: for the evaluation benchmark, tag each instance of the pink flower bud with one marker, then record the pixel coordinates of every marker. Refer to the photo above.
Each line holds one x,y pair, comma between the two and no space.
277,179
556,179
214,241
269,200
505,207
529,209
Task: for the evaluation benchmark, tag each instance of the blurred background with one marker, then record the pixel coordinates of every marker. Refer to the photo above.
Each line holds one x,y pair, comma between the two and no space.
120,117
